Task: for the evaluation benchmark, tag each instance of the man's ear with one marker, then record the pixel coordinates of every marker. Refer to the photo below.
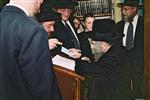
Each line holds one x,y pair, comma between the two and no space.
135,9
104,45
58,10
83,24
92,43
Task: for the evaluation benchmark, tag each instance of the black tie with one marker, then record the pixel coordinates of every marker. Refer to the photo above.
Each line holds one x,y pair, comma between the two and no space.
129,38
76,44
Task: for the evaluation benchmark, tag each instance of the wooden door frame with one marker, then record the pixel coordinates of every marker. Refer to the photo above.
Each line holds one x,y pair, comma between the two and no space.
147,49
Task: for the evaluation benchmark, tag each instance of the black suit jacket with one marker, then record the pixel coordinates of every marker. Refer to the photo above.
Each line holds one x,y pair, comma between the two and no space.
26,67
135,55
111,77
62,35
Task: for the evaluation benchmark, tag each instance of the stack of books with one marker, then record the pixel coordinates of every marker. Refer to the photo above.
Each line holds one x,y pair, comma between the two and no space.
97,7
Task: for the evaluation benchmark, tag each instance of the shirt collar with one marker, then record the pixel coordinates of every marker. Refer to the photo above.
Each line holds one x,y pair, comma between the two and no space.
66,22
22,8
135,18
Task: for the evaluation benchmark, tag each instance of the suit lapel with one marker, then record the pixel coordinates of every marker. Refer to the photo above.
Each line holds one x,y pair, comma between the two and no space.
139,31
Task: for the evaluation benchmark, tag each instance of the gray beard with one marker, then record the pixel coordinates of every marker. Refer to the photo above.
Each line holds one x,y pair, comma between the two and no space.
130,19
97,53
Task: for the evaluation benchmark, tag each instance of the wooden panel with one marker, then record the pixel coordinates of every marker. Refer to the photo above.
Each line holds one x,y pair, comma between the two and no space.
67,86
147,48
67,72
69,83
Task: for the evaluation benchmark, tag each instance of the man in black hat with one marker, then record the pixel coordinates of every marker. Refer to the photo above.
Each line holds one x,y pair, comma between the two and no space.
110,76
64,29
47,18
132,27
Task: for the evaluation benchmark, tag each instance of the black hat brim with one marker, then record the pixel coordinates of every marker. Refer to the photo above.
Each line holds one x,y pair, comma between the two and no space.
66,5
48,16
128,4
105,37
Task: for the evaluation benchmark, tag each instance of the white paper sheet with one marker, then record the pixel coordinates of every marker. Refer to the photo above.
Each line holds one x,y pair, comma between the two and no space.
64,62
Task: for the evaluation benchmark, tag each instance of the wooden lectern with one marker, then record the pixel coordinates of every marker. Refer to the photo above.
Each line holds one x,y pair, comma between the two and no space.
69,83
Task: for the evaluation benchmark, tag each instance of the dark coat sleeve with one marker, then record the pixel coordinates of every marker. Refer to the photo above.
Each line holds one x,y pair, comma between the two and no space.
85,46
27,67
108,64
37,66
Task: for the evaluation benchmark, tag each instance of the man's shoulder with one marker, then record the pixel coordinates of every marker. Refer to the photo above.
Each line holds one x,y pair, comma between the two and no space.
58,21
120,22
12,10
141,19
119,50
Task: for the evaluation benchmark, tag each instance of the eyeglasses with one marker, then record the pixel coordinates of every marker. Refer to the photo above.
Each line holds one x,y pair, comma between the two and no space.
126,8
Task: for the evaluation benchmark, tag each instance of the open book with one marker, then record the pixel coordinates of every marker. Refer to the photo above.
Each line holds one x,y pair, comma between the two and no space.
64,62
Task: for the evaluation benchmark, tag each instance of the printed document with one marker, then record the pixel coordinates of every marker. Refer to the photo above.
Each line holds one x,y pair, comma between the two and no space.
64,62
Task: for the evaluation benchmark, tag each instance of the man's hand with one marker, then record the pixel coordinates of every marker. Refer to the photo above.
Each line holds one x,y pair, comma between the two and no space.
53,43
75,53
85,59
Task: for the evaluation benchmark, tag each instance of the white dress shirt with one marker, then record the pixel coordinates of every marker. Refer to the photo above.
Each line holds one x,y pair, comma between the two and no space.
134,22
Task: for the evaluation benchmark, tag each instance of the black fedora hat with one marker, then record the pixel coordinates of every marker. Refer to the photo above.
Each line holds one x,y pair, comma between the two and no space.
103,30
132,3
47,4
47,15
65,4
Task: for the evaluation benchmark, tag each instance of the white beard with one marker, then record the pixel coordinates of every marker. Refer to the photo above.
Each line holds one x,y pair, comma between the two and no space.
97,52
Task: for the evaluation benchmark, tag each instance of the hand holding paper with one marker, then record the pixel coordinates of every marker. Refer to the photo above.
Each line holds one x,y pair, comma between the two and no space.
65,51
75,53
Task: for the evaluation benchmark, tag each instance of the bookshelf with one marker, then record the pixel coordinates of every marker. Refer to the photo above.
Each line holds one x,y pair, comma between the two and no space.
1,3
97,7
